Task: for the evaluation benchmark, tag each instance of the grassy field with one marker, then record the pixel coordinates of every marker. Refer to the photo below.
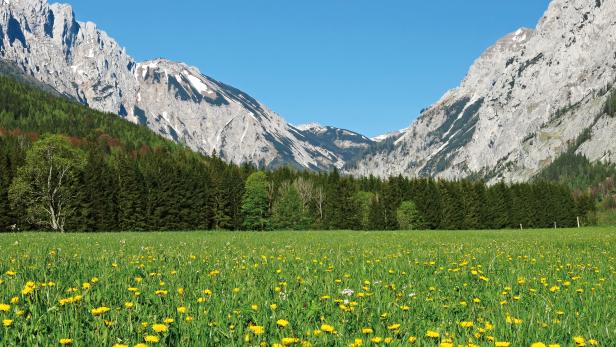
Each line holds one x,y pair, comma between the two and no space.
309,288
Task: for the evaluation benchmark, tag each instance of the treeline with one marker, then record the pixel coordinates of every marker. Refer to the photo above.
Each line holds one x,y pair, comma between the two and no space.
157,189
594,180
576,171
105,174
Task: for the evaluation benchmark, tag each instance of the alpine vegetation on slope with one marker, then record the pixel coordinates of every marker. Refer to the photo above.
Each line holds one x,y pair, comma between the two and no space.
523,102
120,176
175,100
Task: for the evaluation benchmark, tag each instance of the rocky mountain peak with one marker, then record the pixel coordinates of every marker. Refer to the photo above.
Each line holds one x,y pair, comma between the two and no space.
524,101
173,99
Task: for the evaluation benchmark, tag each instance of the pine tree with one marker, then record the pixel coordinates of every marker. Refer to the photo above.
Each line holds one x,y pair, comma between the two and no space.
288,210
131,195
391,199
453,208
522,201
473,200
233,183
348,208
332,214
498,207
377,214
97,205
6,217
425,193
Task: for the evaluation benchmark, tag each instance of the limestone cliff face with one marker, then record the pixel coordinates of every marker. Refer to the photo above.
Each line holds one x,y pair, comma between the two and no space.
522,103
173,99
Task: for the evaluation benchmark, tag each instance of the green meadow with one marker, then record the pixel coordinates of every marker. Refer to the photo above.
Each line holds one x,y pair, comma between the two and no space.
335,288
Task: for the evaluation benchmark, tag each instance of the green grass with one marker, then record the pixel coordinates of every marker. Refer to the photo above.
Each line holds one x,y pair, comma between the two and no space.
532,286
606,218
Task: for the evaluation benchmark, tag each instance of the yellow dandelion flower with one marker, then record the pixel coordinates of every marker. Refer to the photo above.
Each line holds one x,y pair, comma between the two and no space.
393,327
160,328
28,288
151,339
182,310
66,341
412,339
282,323
357,343
466,324
257,329
7,322
99,310
287,341
5,308
433,334
579,340
367,330
328,328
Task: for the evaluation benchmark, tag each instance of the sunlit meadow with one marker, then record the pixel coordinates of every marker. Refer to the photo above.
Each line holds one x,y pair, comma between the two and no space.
501,288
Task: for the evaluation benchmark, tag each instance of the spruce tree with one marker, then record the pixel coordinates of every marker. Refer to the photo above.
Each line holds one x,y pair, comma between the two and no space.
288,210
453,207
377,214
497,209
131,195
6,218
348,208
391,199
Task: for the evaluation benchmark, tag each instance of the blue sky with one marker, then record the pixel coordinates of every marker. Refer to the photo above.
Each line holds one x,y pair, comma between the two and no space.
367,66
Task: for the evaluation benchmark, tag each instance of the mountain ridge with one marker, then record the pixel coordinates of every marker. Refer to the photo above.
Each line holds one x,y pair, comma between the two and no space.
523,102
173,99
521,105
